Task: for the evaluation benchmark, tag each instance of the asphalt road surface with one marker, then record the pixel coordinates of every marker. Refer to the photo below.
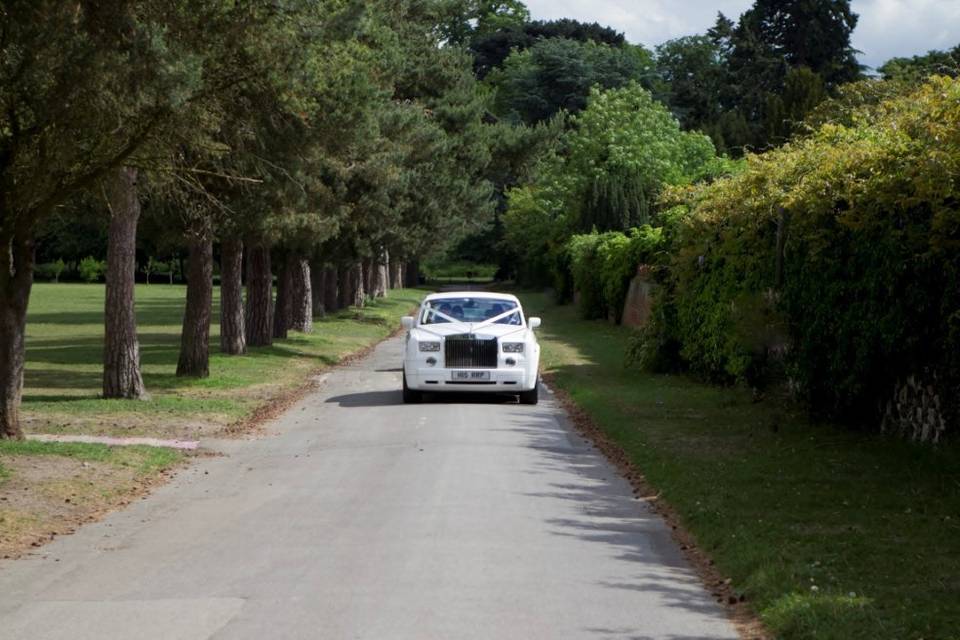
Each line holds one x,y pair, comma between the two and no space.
359,517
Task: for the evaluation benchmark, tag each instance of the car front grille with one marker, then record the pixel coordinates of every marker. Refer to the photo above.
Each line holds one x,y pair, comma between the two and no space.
469,352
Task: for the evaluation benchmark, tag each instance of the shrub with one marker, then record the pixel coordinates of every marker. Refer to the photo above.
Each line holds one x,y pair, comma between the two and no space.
91,269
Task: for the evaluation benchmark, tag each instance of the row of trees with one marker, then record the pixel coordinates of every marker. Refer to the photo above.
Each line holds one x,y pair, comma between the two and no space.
747,83
341,135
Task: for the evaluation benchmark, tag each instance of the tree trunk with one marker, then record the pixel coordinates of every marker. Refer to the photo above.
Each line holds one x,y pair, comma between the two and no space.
344,290
317,294
121,349
16,278
194,358
233,339
259,309
396,274
357,281
412,276
379,281
367,267
282,308
301,303
331,288
353,294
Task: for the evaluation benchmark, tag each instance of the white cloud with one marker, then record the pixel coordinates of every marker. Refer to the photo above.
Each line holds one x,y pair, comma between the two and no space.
887,28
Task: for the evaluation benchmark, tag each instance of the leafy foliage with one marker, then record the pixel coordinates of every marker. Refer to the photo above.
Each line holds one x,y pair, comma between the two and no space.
919,68
490,49
839,253
614,161
558,74
602,265
91,269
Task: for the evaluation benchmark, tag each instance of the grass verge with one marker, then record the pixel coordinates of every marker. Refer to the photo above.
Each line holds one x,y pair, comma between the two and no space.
49,488
828,533
64,356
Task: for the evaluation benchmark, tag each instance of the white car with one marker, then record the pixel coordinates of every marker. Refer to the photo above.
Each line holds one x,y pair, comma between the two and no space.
471,341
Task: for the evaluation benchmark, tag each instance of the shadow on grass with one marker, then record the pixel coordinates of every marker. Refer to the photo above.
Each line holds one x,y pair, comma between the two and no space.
34,397
155,349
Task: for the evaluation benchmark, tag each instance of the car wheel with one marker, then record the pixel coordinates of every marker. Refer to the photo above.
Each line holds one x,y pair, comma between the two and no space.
410,396
532,396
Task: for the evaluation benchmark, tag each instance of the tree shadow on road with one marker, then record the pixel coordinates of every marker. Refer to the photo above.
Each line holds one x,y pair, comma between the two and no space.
603,511
395,397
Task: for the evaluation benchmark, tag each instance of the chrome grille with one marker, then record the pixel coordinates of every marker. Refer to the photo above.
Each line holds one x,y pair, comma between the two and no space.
470,352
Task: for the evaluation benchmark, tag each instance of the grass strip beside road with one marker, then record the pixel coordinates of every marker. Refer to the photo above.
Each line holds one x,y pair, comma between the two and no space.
50,488
64,356
828,533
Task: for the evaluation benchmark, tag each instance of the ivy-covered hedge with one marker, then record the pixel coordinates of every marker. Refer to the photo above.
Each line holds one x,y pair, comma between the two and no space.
602,265
837,255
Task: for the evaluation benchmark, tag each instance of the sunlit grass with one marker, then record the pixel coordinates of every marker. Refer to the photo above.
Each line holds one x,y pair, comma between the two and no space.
65,350
141,459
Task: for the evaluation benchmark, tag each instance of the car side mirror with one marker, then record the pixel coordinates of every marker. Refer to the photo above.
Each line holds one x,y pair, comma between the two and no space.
407,322
533,323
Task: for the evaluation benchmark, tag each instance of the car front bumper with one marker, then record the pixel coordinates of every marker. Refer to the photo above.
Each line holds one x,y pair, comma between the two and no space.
438,379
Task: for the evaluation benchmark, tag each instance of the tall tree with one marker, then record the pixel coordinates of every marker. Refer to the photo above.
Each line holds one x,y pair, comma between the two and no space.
775,36
65,75
694,74
491,48
807,33
557,75
121,349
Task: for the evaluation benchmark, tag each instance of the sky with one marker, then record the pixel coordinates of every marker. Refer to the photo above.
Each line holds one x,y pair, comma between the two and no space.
887,28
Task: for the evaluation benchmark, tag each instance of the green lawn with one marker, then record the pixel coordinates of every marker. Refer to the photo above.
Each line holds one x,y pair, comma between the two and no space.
64,355
829,533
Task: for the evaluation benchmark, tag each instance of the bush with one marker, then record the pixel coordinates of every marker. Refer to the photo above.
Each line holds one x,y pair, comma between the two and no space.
837,255
91,269
656,347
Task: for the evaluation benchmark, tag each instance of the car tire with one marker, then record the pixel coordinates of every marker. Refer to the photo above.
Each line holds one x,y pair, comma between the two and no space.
532,396
410,396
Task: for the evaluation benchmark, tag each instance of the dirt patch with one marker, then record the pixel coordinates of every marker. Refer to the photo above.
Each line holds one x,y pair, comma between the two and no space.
719,586
46,496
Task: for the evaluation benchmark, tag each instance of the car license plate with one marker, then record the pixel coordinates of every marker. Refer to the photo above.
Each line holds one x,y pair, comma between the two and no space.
471,376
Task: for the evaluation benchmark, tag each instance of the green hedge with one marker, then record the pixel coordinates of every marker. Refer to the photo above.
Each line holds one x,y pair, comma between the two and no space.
602,265
836,256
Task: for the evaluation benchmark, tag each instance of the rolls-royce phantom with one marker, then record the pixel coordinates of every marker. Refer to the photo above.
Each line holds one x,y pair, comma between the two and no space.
471,341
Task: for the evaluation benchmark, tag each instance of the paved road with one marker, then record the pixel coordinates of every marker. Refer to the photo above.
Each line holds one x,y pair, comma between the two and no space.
362,518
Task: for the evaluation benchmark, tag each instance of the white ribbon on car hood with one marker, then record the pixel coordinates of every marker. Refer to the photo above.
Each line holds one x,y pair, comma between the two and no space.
470,326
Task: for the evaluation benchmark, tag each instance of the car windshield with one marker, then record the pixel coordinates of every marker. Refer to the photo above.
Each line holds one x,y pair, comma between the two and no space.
441,310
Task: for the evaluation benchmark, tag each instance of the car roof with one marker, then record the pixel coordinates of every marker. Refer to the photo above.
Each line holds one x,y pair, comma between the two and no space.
471,294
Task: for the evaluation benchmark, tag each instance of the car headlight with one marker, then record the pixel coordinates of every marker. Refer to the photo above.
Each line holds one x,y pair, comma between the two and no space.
513,347
429,346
